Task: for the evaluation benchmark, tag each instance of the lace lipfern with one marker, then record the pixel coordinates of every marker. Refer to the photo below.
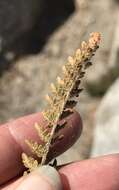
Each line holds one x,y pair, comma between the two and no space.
63,99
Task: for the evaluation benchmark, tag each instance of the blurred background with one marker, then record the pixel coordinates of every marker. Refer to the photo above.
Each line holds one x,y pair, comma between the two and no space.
36,37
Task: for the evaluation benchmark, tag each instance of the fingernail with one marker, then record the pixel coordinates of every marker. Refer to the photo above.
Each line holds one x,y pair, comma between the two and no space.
45,178
52,175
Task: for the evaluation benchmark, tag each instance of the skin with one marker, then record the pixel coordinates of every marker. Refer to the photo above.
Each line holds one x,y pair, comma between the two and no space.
99,173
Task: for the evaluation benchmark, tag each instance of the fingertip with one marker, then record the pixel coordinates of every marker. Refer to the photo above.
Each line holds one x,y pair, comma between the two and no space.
14,134
97,173
76,122
45,177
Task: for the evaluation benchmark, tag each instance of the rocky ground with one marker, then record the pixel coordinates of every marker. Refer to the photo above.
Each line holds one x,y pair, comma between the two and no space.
24,84
106,139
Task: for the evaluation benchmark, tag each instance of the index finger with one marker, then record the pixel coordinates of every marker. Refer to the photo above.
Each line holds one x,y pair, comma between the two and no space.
12,142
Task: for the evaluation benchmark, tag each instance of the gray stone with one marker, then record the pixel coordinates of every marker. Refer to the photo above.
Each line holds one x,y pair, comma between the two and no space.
35,19
106,133
16,17
103,71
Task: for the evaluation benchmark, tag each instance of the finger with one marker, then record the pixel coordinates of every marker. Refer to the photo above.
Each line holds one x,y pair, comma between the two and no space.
45,177
13,184
14,134
99,174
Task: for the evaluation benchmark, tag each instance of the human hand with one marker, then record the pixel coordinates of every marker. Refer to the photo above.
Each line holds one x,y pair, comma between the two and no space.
14,134
98,174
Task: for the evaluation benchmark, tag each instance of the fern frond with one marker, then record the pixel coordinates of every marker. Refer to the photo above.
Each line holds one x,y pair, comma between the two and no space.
67,88
64,93
37,149
29,162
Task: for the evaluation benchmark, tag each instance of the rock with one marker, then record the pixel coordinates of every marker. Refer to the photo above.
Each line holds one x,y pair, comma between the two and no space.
16,17
106,133
106,72
30,21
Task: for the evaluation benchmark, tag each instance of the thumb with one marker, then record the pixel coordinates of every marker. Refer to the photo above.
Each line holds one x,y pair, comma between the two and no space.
45,178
